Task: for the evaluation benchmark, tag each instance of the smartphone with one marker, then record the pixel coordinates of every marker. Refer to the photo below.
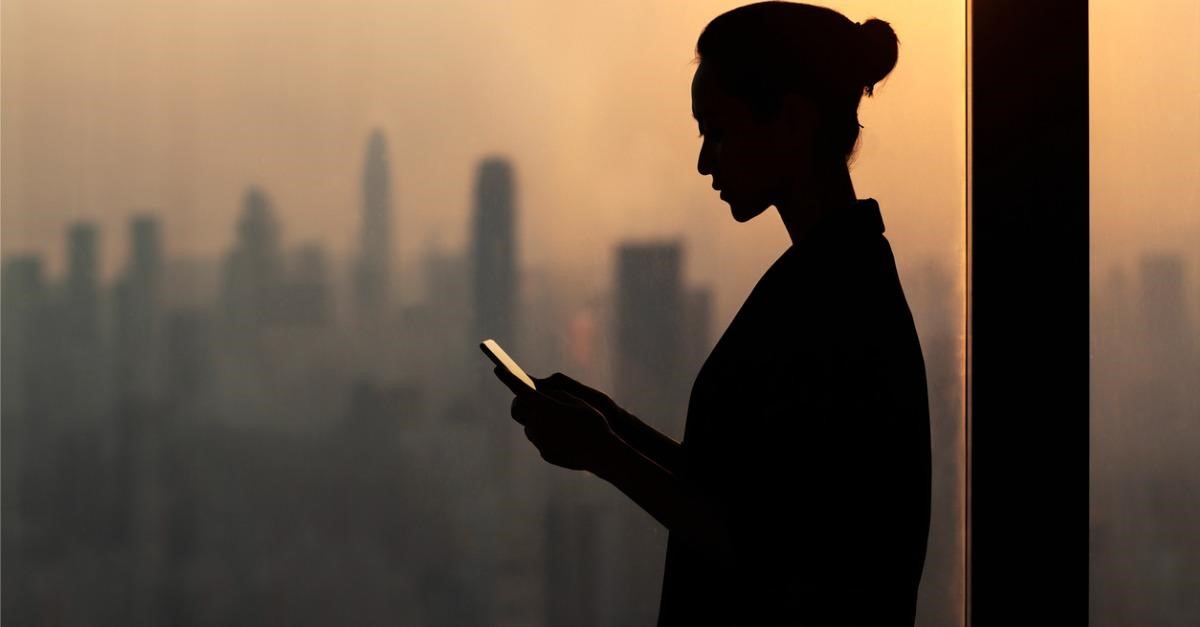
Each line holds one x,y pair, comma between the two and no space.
497,354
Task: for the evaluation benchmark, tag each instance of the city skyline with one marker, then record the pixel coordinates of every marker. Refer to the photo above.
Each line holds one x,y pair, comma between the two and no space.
197,103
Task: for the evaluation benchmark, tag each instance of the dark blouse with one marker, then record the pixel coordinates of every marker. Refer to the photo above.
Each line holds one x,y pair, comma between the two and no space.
808,428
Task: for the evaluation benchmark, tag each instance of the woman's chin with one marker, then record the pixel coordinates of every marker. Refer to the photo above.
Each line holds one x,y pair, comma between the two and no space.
745,212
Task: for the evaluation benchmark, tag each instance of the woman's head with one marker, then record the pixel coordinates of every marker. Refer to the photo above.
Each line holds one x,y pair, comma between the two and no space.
776,95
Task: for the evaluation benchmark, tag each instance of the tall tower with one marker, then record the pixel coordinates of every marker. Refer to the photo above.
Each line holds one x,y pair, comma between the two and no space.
1166,328
650,321
650,352
82,294
517,542
23,298
494,254
371,276
253,268
78,350
138,324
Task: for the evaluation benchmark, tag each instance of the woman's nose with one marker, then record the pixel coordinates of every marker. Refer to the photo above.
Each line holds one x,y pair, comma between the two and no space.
704,162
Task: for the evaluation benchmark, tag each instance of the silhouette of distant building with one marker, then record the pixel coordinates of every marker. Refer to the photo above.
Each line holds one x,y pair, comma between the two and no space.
81,297
494,290
78,347
494,253
437,347
447,281
649,379
648,373
517,595
189,361
138,312
1164,306
253,268
306,298
574,565
23,329
372,269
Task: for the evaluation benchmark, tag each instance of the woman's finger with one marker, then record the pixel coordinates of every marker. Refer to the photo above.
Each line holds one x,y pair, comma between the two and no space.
512,383
515,411
531,434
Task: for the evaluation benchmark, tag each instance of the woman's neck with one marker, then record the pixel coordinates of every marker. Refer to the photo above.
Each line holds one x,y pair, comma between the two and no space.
813,197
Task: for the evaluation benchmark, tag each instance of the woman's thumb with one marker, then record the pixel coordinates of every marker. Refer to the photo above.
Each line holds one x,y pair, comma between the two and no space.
567,384
563,382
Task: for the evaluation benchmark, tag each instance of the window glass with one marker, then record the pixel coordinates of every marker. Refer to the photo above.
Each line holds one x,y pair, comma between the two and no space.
1145,333
248,246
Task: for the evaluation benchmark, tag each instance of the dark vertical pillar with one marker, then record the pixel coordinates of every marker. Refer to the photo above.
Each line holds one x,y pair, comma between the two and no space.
1028,318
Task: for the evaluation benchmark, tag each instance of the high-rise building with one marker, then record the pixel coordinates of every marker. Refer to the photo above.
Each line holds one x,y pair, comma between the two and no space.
372,270
650,381
437,339
77,350
253,269
649,333
493,292
574,564
81,306
447,282
494,253
1164,307
518,597
23,299
187,347
306,299
138,312
1170,344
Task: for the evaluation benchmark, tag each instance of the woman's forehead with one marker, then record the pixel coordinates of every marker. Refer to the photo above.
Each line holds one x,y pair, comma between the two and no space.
704,96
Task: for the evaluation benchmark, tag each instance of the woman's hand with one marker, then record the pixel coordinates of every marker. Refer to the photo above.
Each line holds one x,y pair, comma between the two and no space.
566,430
615,414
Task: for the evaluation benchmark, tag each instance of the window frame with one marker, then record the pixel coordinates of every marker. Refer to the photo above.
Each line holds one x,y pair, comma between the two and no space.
1027,353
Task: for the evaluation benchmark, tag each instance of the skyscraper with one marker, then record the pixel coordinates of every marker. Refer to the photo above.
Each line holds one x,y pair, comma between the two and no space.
518,596
25,384
650,326
649,379
77,348
306,299
253,270
494,253
81,309
1165,311
137,320
371,272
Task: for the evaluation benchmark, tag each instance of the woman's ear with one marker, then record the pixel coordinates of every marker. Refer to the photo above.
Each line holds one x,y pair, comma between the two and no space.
798,116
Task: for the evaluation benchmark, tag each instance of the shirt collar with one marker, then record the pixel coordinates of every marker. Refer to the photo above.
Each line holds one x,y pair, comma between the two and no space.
860,218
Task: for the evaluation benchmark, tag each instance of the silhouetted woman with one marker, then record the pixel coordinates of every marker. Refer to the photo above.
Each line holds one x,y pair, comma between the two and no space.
800,492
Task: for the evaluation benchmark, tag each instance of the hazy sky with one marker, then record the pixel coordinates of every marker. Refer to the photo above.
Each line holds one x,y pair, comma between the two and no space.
1145,122
176,106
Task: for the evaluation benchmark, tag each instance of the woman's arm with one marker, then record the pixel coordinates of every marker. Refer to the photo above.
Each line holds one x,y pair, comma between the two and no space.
647,440
675,503
577,431
661,449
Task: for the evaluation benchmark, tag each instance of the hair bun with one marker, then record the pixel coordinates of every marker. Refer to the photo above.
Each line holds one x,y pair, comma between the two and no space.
878,52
